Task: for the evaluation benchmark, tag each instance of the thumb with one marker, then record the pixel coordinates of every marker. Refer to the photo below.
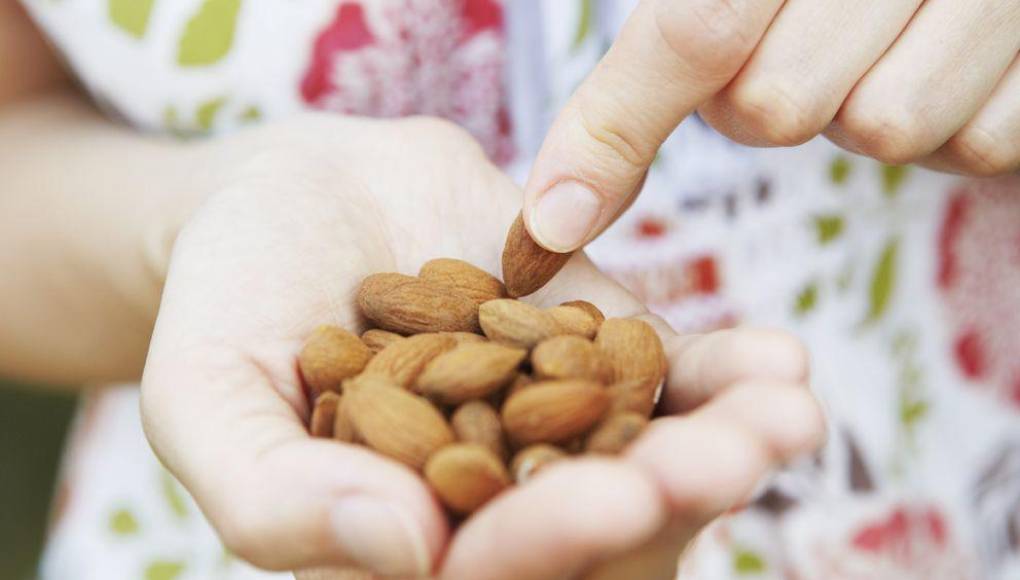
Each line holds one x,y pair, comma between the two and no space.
671,56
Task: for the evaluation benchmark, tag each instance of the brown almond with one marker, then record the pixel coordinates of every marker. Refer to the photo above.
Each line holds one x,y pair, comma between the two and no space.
569,357
395,422
574,321
343,424
532,458
516,323
330,356
469,371
478,422
323,414
633,396
527,266
633,350
403,361
409,305
588,307
615,433
377,339
465,476
554,411
471,281
462,337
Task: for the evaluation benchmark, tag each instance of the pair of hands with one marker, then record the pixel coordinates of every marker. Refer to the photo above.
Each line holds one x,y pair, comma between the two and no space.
935,82
307,208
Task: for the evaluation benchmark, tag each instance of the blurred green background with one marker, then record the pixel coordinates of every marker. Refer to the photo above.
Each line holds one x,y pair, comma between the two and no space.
33,425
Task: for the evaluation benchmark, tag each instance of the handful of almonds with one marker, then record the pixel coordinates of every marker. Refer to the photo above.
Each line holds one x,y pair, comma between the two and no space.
477,390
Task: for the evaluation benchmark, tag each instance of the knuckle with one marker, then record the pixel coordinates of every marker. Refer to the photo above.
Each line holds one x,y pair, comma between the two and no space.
710,35
618,146
894,138
777,114
980,154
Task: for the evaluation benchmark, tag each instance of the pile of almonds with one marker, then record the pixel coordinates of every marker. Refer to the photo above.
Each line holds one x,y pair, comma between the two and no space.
475,389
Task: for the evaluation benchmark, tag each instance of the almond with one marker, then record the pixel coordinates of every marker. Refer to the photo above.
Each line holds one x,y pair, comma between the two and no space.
403,361
532,458
554,411
516,323
343,424
527,266
329,356
376,339
469,371
395,422
574,321
633,350
323,414
634,395
408,305
569,357
478,422
471,281
615,433
588,307
462,337
465,476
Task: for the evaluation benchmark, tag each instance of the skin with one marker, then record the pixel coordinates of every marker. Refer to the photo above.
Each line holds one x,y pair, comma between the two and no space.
934,82
228,252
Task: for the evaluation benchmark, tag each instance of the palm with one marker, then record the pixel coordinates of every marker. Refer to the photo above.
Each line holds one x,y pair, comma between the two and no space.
282,250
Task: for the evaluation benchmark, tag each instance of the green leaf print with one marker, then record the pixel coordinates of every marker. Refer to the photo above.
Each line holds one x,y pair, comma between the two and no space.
913,411
209,34
892,178
828,227
173,495
163,570
883,281
748,562
131,16
205,115
807,299
839,170
251,114
584,22
123,523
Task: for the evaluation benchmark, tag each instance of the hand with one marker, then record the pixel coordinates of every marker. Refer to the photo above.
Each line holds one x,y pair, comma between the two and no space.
320,203
928,81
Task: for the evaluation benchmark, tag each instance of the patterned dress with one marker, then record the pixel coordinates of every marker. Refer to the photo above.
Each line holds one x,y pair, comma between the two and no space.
904,283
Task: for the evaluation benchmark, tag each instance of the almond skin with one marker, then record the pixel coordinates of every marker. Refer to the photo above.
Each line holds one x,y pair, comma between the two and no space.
569,357
323,414
634,396
516,323
477,284
532,458
377,339
588,307
465,476
615,433
633,350
462,337
527,266
330,356
574,321
554,411
469,371
395,422
409,305
403,361
343,424
478,422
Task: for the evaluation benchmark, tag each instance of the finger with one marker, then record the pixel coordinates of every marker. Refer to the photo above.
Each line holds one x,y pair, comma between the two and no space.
702,365
670,56
656,559
814,53
989,144
558,523
933,79
277,497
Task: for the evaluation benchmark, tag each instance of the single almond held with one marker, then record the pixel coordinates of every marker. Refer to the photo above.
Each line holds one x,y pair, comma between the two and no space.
527,266
615,433
478,422
402,361
469,371
569,357
554,411
516,323
465,476
471,281
323,414
528,461
409,305
329,357
395,422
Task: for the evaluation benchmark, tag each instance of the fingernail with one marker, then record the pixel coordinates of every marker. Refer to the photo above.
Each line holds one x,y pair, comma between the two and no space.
380,536
564,216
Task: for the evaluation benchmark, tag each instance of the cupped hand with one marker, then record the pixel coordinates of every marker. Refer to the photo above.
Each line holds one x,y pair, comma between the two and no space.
305,212
902,81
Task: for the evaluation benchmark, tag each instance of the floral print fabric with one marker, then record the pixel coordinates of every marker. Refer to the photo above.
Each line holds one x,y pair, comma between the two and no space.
904,283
